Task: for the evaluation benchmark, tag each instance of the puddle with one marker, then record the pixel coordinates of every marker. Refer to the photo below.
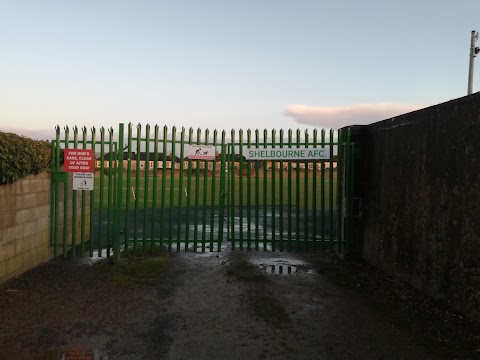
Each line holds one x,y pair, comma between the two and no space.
285,269
96,256
204,250
283,266
278,269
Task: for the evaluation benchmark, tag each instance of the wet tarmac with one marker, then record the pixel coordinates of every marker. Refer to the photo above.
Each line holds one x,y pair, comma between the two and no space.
74,353
207,306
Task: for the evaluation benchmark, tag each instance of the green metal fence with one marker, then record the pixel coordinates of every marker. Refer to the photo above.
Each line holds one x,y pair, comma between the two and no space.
284,205
148,194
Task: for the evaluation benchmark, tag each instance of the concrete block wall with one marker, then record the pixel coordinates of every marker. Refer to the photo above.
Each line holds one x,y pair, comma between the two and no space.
25,224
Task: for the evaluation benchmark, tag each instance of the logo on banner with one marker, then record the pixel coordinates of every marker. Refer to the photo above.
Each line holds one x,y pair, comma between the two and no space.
200,152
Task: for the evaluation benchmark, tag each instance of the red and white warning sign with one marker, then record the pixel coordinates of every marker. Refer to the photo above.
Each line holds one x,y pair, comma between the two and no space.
79,160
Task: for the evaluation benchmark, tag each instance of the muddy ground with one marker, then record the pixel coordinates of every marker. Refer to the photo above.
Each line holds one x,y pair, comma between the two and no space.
232,305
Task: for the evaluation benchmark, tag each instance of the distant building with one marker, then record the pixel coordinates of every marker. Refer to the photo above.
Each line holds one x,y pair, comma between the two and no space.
148,162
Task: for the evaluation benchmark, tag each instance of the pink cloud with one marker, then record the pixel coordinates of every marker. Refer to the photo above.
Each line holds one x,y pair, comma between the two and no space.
337,117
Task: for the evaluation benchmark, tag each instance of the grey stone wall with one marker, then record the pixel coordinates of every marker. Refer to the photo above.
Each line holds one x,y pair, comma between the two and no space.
418,181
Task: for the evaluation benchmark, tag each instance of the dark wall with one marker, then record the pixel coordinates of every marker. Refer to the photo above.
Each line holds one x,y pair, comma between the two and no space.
419,184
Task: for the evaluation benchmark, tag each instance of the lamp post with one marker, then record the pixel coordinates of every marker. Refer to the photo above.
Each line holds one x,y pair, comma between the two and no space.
473,53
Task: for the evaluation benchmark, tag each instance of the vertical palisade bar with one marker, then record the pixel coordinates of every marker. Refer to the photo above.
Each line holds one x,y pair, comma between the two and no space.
164,183
102,185
330,188
189,191
290,194
74,202
314,193
110,203
213,194
228,181
53,215
114,188
84,201
265,190
65,203
172,189
340,188
197,195
180,188
297,195
119,196
322,196
155,187
129,187
273,194
257,192
205,196
281,190
232,188
137,186
222,191
146,171
92,198
249,194
240,186
306,227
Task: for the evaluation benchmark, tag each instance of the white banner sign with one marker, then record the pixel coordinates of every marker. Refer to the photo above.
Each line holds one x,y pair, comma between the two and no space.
200,152
287,154
83,181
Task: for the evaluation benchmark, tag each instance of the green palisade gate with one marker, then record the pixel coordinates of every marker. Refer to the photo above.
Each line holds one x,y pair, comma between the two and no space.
289,205
148,194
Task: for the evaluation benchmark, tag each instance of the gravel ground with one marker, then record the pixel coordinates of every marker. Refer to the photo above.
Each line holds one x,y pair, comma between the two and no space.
225,306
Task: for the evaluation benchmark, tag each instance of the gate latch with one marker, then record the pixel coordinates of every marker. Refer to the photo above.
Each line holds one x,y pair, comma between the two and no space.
60,177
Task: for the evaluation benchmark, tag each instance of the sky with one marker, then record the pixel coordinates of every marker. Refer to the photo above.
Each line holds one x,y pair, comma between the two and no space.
229,64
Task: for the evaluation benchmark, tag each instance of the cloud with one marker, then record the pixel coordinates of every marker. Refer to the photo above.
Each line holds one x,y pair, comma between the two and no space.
35,134
337,117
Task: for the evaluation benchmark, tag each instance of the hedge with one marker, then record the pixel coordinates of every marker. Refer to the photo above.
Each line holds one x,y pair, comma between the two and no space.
20,157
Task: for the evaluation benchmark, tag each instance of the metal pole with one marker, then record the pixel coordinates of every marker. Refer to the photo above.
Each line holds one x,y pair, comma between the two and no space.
118,210
473,53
